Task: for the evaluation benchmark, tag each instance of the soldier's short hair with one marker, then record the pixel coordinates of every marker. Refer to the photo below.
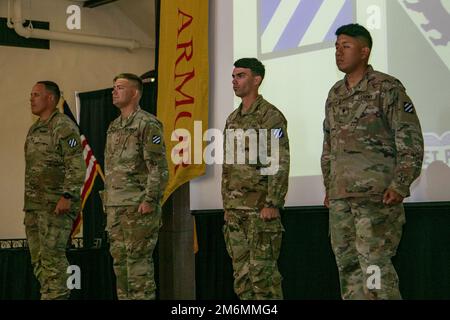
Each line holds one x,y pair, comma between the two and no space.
356,30
51,87
253,64
134,79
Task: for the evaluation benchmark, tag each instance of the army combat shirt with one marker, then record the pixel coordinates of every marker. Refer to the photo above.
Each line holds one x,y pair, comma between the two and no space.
244,185
135,161
372,138
54,163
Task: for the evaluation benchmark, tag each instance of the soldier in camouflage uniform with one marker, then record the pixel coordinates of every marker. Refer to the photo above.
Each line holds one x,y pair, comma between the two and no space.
136,177
372,152
54,174
252,199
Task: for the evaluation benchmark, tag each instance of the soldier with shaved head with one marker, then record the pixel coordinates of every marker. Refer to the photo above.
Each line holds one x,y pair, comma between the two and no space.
54,174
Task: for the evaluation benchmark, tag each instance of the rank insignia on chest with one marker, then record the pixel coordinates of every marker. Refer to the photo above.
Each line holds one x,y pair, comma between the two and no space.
72,142
278,133
156,139
408,107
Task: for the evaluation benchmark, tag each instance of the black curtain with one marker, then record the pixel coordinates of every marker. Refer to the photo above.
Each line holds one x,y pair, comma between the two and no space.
307,262
96,113
17,281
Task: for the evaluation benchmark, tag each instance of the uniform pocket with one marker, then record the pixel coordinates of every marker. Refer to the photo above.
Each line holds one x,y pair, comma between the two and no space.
226,236
103,197
57,233
30,219
267,239
132,144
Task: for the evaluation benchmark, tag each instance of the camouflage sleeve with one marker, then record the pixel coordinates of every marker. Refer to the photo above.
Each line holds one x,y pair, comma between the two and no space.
67,136
326,147
278,180
404,123
225,168
154,151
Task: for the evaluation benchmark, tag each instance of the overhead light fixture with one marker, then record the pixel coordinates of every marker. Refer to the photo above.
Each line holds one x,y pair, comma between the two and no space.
96,3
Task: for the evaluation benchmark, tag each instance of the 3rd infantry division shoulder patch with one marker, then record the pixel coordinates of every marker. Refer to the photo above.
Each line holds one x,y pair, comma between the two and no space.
408,107
72,142
278,133
156,139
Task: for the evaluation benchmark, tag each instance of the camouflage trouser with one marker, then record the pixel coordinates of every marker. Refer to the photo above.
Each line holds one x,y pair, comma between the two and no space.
364,233
47,235
254,246
133,238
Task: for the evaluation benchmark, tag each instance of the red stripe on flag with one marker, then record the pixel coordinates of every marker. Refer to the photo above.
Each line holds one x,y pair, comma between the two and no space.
92,169
87,184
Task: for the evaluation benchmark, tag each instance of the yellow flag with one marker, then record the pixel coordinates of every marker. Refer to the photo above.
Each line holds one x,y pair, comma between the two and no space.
183,87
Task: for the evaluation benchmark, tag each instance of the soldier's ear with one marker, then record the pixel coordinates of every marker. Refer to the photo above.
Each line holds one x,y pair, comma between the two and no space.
365,51
51,98
136,93
258,80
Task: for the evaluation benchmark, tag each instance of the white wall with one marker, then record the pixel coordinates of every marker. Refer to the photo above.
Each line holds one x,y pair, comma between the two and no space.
297,82
205,191
74,67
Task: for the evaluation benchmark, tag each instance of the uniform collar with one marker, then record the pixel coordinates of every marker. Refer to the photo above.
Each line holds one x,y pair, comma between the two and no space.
362,85
253,107
129,119
40,123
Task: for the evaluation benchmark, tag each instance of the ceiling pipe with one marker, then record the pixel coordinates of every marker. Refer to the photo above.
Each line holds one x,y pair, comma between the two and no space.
30,32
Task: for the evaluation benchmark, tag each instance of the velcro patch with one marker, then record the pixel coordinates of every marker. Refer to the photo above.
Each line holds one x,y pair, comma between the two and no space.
278,133
408,107
72,142
156,139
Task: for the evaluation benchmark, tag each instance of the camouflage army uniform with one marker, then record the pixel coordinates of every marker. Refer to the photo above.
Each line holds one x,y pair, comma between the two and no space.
253,244
372,142
54,165
136,170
